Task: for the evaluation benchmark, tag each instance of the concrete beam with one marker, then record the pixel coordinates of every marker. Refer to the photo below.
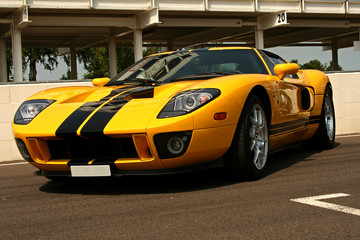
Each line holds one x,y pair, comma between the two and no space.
313,34
21,17
55,21
195,22
147,19
209,35
319,23
272,20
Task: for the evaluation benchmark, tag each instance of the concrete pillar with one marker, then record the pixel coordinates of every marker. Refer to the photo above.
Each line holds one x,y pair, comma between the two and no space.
112,56
138,44
3,63
259,38
17,53
73,61
335,58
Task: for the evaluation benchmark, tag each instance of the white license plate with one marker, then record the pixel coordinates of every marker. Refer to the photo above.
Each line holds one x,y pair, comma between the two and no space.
90,171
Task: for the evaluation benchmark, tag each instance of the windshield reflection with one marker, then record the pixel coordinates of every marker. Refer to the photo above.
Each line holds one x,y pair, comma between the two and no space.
186,65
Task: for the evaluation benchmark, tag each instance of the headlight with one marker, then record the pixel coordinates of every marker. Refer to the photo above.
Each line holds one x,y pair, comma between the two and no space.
30,109
188,101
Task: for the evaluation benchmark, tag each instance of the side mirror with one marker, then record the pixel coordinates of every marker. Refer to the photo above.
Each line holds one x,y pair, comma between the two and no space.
281,70
99,82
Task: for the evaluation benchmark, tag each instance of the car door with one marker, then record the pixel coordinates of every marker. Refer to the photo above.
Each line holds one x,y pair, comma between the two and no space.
294,103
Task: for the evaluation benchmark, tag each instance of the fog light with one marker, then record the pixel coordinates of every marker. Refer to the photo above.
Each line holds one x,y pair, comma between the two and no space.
23,150
175,145
172,145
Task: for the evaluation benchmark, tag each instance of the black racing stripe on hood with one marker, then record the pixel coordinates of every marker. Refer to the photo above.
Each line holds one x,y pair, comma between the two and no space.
69,127
96,124
71,124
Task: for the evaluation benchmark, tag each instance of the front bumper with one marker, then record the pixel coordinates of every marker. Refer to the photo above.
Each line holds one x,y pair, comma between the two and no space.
127,153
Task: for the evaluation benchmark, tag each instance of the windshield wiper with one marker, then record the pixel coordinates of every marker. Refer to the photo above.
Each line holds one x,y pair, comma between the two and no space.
145,81
201,76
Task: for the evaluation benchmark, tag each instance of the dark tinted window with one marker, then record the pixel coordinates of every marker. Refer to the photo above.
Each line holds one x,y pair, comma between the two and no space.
166,67
272,60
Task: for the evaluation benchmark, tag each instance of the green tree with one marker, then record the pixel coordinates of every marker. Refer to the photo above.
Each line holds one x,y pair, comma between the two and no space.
95,60
329,67
46,56
316,64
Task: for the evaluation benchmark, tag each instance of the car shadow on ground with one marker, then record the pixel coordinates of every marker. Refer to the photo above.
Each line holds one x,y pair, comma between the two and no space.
289,156
174,183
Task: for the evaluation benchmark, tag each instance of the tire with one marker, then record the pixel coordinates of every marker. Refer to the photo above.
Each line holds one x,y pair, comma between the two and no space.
324,137
247,156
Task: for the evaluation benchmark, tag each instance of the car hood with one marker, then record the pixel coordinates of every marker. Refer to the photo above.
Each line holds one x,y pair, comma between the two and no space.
90,111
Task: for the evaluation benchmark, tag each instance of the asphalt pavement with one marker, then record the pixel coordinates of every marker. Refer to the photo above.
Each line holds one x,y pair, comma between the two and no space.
199,205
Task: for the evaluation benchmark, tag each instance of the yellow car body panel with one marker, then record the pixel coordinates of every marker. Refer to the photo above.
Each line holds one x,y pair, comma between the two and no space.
130,113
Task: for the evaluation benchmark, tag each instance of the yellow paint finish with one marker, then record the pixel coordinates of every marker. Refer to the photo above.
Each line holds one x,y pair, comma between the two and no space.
46,123
134,116
166,92
281,70
142,147
210,139
173,124
228,48
229,101
318,105
63,93
58,165
205,145
300,134
137,164
317,79
99,82
40,151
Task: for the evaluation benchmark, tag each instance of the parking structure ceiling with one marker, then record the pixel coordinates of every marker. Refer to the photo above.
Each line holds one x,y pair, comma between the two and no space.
175,29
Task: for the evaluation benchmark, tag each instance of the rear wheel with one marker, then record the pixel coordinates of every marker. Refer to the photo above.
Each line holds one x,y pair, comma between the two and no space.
325,135
248,154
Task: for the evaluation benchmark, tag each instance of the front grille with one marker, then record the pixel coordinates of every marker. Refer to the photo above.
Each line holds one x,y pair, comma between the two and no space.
100,148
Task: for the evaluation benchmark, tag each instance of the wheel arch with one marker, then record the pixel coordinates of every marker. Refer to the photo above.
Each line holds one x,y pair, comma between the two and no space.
328,85
317,79
260,92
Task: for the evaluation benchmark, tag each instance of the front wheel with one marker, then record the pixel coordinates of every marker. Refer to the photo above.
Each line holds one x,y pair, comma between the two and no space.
248,153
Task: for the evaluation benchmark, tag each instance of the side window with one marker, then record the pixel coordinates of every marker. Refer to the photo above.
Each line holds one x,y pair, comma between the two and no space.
272,60
270,63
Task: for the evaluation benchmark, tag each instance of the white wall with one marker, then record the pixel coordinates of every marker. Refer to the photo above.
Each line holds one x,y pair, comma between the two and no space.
11,96
346,88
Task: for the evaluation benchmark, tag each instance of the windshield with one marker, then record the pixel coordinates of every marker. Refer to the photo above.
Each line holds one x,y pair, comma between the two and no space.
191,65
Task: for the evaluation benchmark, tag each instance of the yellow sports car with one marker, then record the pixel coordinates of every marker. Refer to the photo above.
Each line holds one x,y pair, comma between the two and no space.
178,111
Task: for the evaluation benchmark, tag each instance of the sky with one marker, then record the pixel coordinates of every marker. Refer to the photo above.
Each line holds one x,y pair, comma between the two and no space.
348,59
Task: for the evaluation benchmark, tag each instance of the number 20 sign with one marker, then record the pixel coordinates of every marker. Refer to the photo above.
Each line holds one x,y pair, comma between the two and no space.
273,20
281,18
